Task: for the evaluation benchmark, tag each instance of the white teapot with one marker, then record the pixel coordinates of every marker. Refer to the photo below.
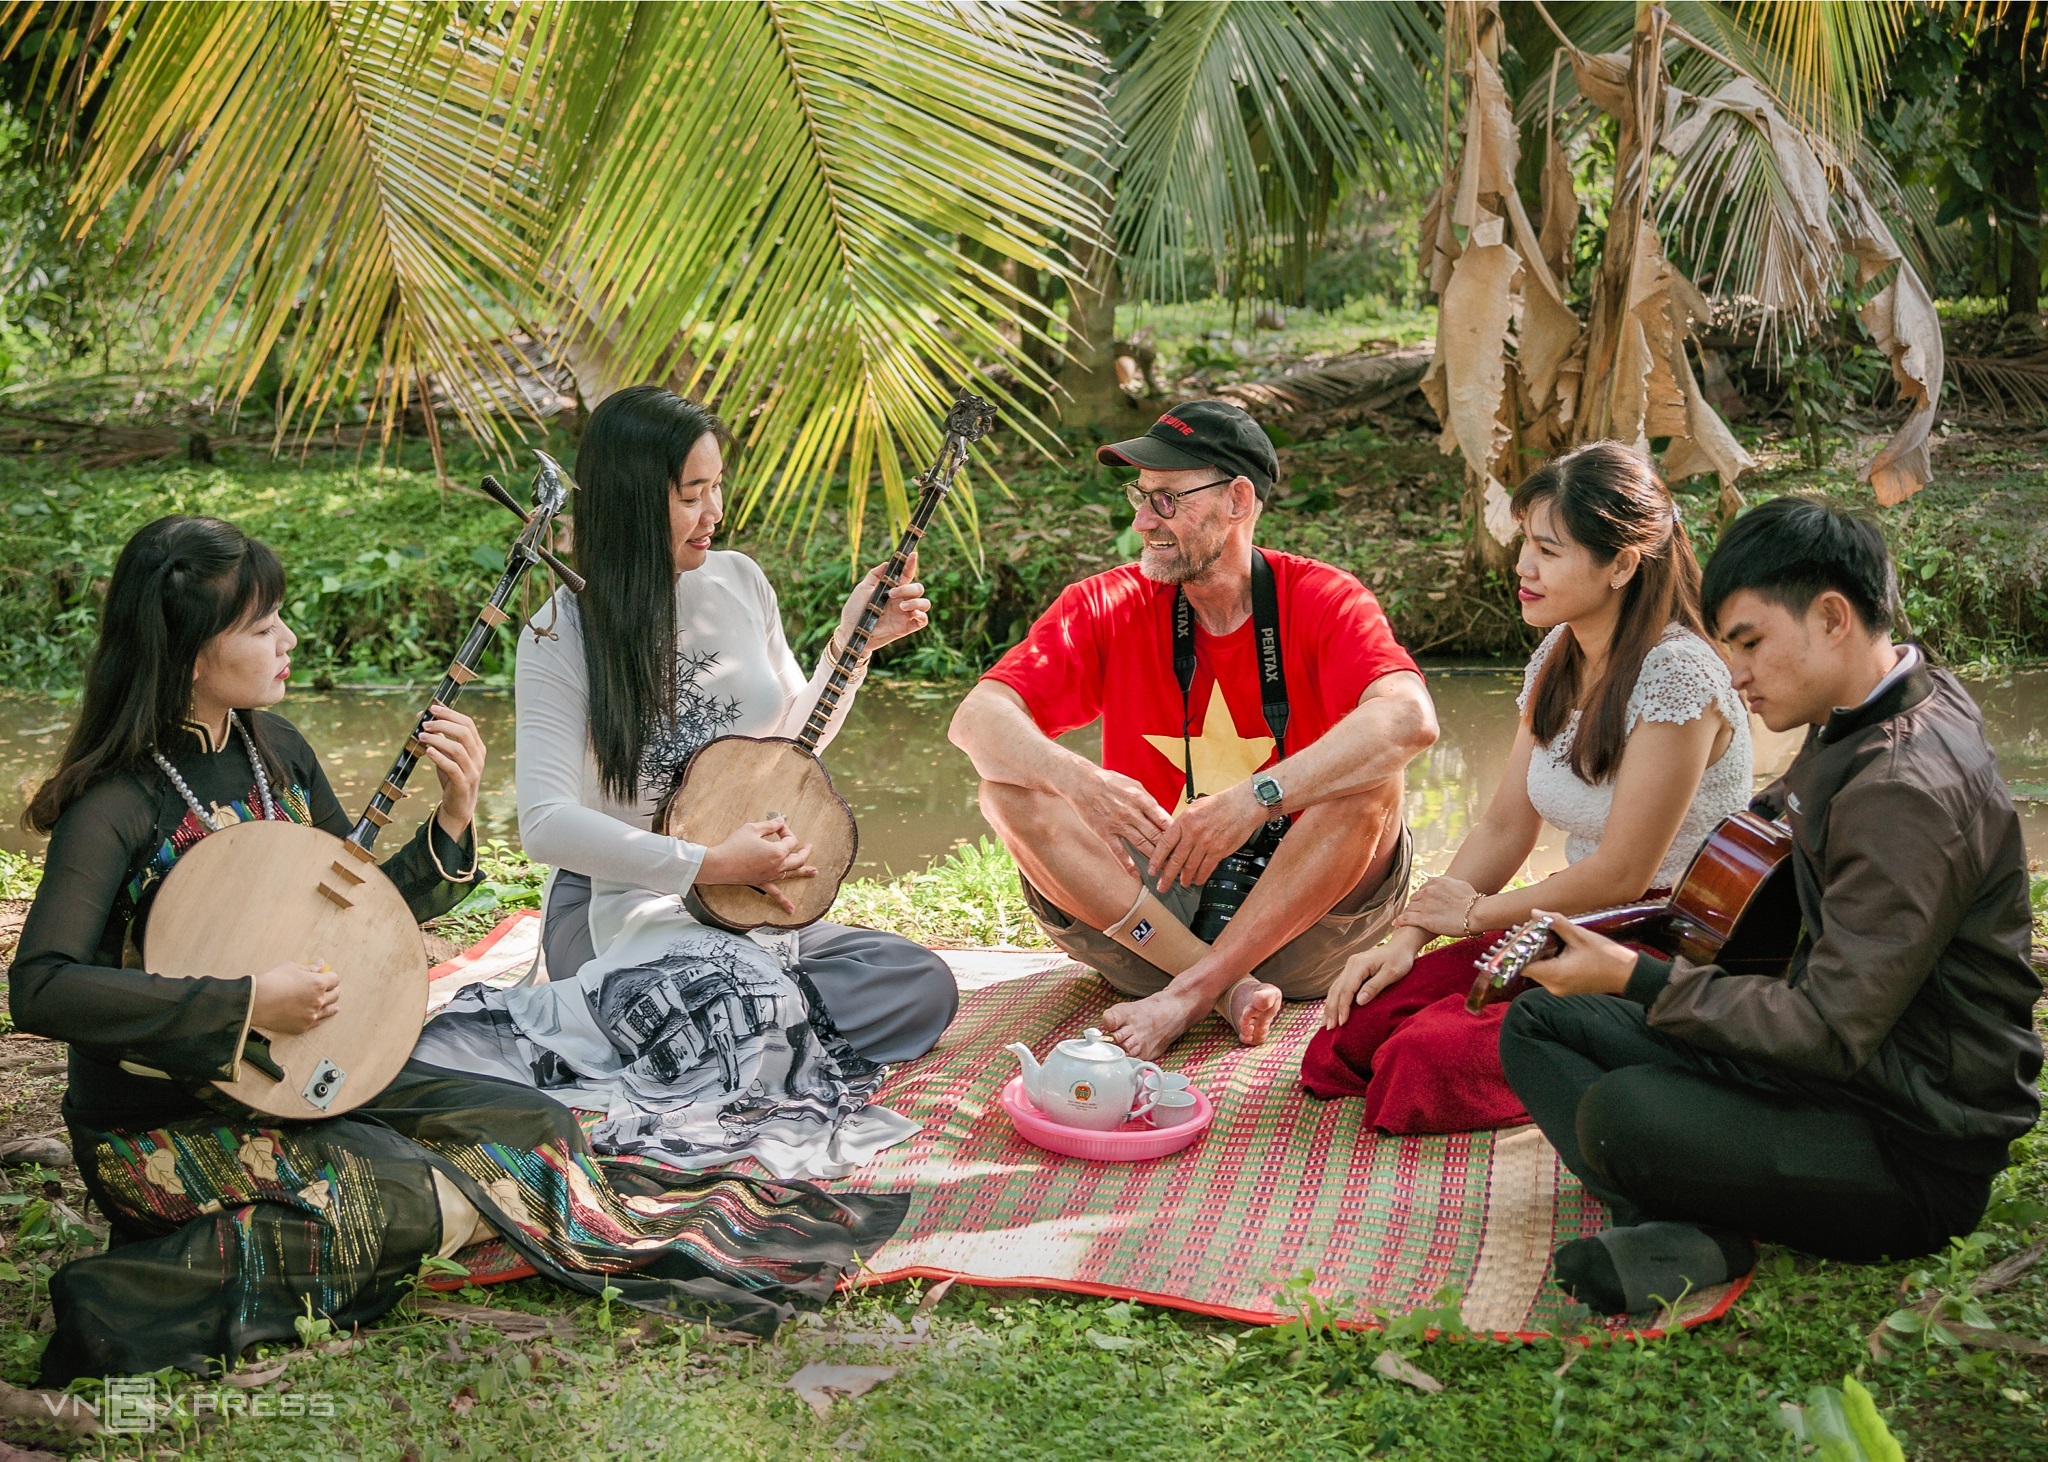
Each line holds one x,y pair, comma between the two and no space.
1087,1082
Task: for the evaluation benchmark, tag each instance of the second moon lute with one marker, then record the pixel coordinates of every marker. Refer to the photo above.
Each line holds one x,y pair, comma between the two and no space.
740,779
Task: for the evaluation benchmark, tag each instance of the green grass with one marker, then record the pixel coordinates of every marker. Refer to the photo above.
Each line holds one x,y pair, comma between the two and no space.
1017,1374
968,898
1025,1374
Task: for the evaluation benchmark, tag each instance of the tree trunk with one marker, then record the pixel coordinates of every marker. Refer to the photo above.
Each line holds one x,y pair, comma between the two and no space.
2019,189
1095,402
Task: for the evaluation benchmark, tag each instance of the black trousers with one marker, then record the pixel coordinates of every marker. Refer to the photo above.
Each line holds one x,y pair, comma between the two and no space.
1659,1129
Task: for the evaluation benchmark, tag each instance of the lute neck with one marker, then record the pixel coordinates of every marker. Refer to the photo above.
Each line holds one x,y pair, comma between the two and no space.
847,663
550,496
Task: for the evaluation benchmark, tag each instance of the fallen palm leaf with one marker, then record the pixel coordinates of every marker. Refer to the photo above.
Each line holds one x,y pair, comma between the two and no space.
937,1292
818,1384
512,1324
52,1409
250,1377
1397,1367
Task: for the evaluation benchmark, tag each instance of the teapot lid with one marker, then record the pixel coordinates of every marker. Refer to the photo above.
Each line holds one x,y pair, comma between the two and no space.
1092,1045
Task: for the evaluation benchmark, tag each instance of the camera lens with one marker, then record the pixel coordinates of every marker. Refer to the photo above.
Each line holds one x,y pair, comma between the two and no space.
1233,879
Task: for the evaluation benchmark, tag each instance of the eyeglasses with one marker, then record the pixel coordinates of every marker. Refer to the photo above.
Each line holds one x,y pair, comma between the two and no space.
1165,503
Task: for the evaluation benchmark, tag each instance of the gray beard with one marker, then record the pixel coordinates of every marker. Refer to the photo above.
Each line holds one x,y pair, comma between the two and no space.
1181,568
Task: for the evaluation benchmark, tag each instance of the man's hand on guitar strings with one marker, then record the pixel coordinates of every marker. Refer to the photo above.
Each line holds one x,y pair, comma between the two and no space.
456,748
759,855
909,610
1117,809
1589,963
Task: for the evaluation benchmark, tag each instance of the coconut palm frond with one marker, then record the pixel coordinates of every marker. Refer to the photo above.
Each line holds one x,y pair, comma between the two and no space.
1824,59
776,202
1236,112
345,186
2002,387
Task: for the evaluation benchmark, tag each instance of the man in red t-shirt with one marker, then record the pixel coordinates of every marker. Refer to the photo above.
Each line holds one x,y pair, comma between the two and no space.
1125,870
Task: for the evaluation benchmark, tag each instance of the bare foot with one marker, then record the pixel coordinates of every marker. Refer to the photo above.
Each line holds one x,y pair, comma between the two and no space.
1146,1028
1251,1007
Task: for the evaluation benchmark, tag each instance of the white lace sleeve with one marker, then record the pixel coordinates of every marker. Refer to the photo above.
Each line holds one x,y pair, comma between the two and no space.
1680,679
1535,667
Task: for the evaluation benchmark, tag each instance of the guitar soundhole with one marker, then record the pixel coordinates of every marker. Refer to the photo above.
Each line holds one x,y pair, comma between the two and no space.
1762,939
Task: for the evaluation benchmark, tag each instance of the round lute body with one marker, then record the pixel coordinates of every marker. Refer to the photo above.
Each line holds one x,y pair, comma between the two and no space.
253,896
741,779
260,894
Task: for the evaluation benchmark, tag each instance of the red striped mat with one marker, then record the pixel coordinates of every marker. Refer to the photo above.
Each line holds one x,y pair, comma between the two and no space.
1283,1187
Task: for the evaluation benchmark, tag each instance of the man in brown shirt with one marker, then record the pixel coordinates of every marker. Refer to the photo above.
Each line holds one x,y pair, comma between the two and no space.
1859,1107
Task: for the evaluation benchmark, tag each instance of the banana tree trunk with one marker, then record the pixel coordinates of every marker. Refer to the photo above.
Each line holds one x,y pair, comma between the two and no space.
1634,148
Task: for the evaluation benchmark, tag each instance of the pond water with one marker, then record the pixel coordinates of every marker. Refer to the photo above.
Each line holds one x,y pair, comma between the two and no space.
914,794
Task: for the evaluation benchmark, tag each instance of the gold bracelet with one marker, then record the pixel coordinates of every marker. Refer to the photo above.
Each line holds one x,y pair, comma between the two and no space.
1472,904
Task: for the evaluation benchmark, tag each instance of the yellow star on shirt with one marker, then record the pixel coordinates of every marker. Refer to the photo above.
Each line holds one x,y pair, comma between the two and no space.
1220,757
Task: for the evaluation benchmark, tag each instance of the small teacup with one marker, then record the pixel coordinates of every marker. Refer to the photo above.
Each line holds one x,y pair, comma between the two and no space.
1165,1080
1174,1107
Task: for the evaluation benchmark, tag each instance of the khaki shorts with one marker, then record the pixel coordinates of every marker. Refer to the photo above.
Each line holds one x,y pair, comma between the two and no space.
1304,968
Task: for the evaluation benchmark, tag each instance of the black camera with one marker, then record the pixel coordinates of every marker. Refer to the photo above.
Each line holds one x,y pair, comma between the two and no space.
1225,891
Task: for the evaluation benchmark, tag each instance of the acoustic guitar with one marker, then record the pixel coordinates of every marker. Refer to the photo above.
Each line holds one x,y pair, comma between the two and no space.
740,779
1735,907
264,893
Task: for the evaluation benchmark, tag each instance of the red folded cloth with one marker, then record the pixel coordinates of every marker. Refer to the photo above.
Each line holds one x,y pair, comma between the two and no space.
1422,1062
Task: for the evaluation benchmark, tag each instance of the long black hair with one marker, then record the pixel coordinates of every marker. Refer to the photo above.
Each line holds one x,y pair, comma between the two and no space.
631,454
1608,497
179,582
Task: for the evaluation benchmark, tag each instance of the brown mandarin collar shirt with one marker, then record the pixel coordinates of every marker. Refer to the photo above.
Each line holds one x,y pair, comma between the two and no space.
1912,986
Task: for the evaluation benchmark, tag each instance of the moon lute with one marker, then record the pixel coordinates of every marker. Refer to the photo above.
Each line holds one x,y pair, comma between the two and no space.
259,894
740,779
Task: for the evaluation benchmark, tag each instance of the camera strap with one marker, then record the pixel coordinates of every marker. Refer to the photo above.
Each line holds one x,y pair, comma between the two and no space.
1266,643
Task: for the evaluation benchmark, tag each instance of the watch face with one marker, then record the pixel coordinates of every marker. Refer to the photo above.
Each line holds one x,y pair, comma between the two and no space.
1267,791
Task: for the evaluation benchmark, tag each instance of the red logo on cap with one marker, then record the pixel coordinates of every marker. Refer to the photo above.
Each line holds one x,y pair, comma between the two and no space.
1173,421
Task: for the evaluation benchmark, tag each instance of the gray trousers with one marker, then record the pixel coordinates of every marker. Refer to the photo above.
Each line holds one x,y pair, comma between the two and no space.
892,999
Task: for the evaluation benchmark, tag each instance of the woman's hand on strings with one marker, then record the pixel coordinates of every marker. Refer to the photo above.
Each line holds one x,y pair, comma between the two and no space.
1589,963
290,1000
1439,907
909,610
1118,810
1365,975
759,855
452,743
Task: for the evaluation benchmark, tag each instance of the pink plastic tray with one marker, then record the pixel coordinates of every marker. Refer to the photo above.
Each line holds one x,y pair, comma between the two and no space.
1132,1142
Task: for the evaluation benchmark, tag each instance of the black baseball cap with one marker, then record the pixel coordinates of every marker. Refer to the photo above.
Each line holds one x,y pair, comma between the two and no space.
1202,434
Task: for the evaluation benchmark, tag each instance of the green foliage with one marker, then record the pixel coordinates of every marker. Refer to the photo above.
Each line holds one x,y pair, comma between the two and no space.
1844,1425
1966,115
20,875
970,897
507,880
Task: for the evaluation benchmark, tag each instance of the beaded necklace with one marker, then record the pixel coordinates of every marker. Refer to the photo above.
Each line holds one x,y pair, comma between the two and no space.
270,813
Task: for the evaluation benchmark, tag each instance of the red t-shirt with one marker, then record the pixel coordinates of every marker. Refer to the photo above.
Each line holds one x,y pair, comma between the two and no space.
1105,648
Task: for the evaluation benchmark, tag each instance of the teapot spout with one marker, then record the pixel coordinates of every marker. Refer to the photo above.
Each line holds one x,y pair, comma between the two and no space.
1030,1064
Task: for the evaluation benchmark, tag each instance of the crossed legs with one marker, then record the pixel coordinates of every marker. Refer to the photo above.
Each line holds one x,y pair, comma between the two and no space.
1347,846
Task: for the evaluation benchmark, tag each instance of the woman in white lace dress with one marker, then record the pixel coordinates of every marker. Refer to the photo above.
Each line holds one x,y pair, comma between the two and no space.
1632,742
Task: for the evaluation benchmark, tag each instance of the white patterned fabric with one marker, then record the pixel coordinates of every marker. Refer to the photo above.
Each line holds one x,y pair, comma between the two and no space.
1681,678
